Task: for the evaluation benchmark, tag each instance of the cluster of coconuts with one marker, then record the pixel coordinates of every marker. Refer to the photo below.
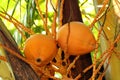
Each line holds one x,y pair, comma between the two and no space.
75,38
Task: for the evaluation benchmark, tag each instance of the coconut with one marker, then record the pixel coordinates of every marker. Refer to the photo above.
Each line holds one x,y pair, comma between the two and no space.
40,49
75,38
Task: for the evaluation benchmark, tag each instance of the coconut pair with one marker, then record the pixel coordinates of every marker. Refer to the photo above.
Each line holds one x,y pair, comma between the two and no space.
73,38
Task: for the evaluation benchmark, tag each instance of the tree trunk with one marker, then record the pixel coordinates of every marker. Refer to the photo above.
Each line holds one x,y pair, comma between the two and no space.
21,70
71,12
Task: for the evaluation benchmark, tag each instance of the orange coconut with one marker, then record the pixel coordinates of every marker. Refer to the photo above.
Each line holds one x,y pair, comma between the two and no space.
80,39
40,49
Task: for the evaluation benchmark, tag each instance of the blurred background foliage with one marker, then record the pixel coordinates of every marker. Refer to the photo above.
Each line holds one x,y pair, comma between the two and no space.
25,12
